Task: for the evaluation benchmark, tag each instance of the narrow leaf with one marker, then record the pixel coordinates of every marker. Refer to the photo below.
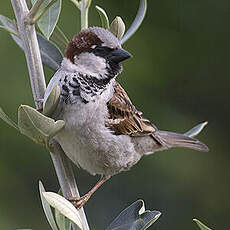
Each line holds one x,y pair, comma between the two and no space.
47,208
63,206
50,54
49,19
196,130
59,37
201,225
117,27
62,222
103,16
137,21
134,217
52,101
60,219
5,118
37,126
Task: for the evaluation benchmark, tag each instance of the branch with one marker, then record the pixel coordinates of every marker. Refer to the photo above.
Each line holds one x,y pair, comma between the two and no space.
35,8
28,35
85,4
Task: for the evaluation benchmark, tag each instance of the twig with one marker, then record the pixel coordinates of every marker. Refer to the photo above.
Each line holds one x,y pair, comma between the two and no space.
31,14
76,3
85,4
28,35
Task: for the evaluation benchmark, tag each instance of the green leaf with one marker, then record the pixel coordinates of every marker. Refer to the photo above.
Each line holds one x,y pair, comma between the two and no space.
50,54
62,222
64,207
5,118
49,19
134,217
47,208
59,37
117,27
196,130
52,101
37,126
137,21
103,16
201,225
66,225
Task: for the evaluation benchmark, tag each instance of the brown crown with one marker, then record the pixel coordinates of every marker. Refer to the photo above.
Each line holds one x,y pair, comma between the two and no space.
82,42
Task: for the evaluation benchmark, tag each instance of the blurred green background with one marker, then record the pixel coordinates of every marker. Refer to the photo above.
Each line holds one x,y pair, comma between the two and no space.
179,76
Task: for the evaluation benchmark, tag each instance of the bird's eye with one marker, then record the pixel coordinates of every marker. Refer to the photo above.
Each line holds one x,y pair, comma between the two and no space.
101,50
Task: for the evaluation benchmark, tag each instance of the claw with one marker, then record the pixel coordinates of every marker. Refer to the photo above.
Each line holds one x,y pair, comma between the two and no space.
79,202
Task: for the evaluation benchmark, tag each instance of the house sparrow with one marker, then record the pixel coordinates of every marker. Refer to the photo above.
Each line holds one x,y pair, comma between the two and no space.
104,132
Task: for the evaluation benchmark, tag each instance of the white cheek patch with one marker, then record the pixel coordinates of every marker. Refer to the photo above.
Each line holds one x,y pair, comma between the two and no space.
93,46
90,64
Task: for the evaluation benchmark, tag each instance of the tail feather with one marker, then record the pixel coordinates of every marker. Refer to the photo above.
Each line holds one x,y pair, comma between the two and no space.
171,139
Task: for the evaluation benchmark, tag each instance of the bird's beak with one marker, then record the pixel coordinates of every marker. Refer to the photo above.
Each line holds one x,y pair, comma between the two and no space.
119,55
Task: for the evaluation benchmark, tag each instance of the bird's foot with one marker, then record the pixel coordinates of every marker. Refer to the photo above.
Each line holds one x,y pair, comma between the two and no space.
79,202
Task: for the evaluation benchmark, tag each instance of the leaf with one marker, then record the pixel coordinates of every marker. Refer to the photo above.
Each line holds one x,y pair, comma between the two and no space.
201,225
64,207
196,130
47,208
103,16
52,101
49,19
59,37
50,54
134,217
62,222
37,126
7,119
117,27
137,21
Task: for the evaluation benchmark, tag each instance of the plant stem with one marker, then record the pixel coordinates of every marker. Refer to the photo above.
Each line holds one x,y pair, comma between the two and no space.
85,4
76,3
35,8
27,33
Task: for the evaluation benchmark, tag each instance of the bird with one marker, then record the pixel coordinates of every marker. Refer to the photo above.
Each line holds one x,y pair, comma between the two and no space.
104,132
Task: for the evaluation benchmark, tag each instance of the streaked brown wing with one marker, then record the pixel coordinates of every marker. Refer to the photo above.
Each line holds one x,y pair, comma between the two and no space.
124,117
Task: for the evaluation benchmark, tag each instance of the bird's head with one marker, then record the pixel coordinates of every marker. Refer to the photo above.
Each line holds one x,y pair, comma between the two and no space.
98,51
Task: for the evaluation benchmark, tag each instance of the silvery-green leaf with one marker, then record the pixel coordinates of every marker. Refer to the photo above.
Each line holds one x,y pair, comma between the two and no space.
103,16
37,126
59,37
196,130
64,207
5,118
52,101
117,27
47,208
137,21
50,54
134,217
62,222
201,225
49,20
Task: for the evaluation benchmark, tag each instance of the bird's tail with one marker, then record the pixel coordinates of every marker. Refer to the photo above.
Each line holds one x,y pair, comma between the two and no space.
171,139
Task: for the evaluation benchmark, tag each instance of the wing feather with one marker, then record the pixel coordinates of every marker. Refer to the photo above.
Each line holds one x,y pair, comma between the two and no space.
124,117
